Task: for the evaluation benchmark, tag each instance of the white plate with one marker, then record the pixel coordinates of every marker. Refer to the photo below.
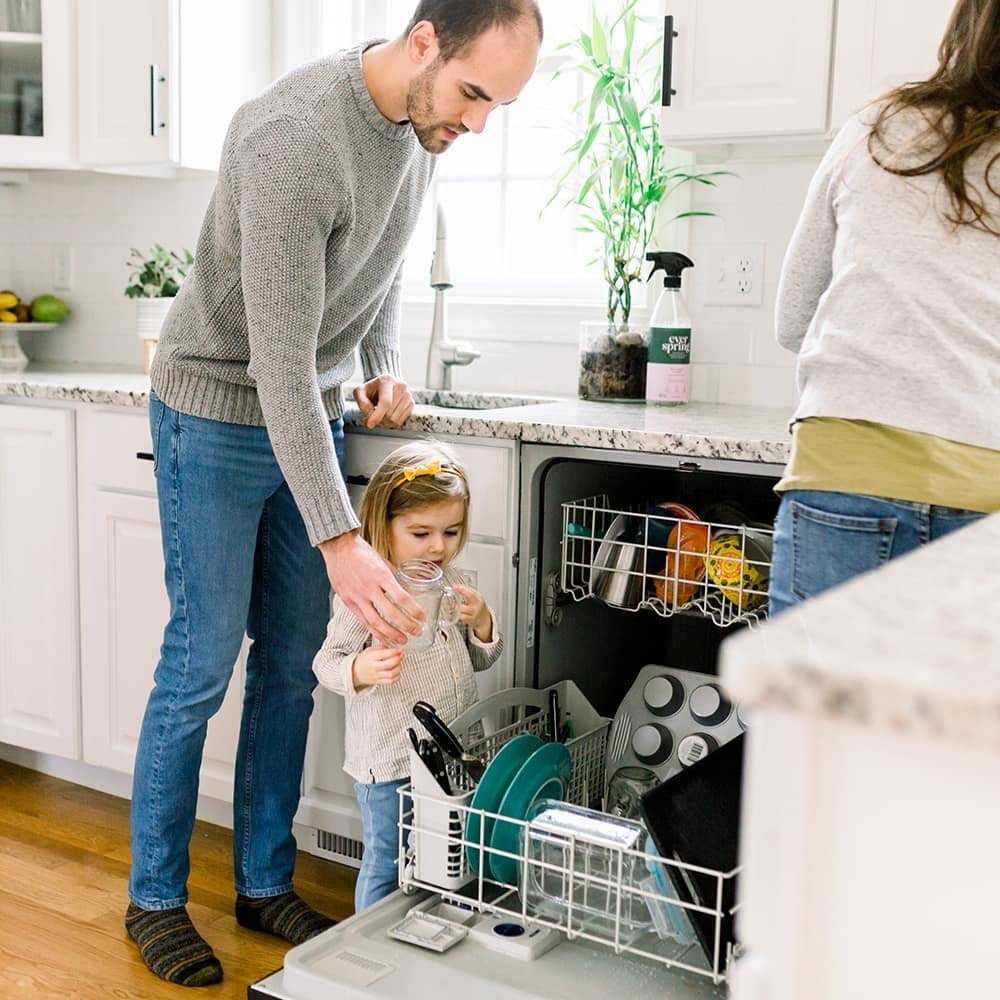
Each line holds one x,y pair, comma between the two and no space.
29,327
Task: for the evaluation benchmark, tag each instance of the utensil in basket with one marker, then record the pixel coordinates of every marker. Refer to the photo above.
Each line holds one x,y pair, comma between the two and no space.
427,715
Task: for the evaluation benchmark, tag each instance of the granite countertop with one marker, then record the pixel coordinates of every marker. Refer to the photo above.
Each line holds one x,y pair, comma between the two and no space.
913,646
702,430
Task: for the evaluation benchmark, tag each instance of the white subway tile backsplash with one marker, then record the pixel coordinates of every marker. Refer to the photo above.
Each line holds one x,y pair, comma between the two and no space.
721,337
525,349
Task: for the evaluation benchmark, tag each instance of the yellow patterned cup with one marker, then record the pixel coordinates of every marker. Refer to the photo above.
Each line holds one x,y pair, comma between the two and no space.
740,566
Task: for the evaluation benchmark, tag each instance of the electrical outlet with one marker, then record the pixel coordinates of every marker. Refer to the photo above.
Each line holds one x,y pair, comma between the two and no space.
62,268
735,275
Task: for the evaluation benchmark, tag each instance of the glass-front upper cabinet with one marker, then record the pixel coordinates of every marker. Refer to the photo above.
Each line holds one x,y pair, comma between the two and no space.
36,68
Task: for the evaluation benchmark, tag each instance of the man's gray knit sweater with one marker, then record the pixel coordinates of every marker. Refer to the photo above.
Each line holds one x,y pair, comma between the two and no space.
297,264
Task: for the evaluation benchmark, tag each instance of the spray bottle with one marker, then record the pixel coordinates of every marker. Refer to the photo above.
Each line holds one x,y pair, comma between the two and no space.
668,371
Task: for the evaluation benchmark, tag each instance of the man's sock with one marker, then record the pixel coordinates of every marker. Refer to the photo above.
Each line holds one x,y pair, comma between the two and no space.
171,947
286,915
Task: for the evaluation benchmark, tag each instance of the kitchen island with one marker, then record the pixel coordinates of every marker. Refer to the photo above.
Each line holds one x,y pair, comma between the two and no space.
870,796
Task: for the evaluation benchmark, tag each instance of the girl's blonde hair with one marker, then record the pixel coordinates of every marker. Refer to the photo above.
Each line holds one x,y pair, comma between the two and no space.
409,479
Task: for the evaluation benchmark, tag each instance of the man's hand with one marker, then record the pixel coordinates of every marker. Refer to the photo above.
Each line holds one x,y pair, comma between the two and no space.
364,581
376,665
384,400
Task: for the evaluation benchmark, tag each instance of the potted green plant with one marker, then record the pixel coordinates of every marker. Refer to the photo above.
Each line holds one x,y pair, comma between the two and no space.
623,177
155,278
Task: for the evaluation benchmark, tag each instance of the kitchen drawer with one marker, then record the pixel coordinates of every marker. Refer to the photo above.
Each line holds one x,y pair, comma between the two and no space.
488,467
108,444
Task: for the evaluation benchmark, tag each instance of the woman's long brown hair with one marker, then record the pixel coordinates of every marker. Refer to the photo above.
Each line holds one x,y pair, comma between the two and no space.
961,104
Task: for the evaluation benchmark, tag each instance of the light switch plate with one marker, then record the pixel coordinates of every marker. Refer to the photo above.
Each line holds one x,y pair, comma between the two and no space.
62,268
735,274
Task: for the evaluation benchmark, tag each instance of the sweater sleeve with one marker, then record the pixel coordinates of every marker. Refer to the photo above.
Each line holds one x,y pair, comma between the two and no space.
289,200
485,654
380,346
808,264
345,638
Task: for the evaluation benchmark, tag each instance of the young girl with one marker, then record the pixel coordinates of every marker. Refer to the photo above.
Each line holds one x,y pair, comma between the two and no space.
416,506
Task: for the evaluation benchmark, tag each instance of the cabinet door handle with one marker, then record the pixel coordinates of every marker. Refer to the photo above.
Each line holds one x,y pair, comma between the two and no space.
155,79
358,480
144,456
668,60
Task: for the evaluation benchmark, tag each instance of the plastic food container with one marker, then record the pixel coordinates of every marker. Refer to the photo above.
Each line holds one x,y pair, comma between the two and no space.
582,868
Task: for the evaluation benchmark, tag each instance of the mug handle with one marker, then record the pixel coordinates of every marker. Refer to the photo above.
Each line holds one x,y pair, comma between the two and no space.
451,606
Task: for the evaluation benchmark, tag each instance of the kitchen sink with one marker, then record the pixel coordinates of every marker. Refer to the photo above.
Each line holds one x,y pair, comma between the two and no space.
454,400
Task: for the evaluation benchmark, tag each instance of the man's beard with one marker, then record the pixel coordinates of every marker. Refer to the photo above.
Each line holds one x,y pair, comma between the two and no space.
421,113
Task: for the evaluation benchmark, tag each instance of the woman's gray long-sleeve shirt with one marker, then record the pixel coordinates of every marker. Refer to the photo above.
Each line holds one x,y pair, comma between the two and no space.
297,265
894,313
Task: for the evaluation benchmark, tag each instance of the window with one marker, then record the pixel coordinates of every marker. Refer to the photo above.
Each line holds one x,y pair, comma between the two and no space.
493,187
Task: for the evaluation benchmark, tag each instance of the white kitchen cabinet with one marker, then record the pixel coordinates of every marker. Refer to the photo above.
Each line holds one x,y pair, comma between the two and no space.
328,807
159,80
748,70
39,662
881,44
790,70
123,602
36,83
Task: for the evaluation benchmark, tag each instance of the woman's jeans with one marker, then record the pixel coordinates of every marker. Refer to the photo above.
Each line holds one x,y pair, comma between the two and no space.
822,539
237,558
379,875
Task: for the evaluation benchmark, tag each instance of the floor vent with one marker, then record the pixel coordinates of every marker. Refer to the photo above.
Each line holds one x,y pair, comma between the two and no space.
336,847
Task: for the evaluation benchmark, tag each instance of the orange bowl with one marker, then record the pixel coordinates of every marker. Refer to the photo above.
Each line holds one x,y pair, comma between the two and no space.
687,551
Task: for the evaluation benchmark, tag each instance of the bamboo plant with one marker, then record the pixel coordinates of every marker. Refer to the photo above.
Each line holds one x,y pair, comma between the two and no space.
620,158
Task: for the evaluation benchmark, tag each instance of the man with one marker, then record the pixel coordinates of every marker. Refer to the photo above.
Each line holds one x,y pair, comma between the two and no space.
298,263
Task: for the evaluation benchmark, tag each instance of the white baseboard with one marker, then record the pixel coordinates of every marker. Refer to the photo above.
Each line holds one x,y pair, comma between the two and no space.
104,779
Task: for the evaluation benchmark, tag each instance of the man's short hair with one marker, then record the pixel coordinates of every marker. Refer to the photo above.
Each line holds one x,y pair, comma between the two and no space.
458,23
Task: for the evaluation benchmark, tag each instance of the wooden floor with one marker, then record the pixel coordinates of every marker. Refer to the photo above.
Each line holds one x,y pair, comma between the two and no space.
63,877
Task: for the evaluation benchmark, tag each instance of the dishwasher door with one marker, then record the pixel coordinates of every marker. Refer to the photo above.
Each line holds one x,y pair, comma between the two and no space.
358,959
599,647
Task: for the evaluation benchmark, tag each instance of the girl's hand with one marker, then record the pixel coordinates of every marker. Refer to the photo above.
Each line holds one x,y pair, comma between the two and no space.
475,613
376,665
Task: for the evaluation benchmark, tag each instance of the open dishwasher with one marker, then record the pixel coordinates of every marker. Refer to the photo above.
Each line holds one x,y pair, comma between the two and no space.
541,896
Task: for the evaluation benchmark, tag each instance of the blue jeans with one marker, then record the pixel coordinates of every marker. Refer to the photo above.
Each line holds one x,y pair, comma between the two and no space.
822,539
379,875
236,559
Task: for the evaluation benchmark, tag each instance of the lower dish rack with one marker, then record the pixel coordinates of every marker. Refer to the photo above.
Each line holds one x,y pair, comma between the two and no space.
566,865
665,559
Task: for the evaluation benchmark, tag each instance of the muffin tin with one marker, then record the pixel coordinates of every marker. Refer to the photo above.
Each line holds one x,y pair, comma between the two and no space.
668,720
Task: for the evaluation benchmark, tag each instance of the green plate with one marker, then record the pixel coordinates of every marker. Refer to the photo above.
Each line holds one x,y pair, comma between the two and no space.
544,775
492,787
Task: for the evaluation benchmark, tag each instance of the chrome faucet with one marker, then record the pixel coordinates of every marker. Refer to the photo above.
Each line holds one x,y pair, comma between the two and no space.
443,353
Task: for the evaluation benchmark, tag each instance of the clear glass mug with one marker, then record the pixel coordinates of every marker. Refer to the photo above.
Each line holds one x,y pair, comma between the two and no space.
424,582
626,789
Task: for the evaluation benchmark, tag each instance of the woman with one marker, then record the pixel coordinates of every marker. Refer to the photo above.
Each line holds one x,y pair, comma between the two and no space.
890,295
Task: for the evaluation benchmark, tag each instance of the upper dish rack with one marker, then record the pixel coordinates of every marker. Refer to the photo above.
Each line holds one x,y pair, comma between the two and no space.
671,563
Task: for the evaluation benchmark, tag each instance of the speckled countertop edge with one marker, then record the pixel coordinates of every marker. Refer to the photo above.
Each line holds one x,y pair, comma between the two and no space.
912,647
747,433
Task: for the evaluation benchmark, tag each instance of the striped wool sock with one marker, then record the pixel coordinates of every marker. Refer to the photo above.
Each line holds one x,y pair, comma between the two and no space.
171,947
286,915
